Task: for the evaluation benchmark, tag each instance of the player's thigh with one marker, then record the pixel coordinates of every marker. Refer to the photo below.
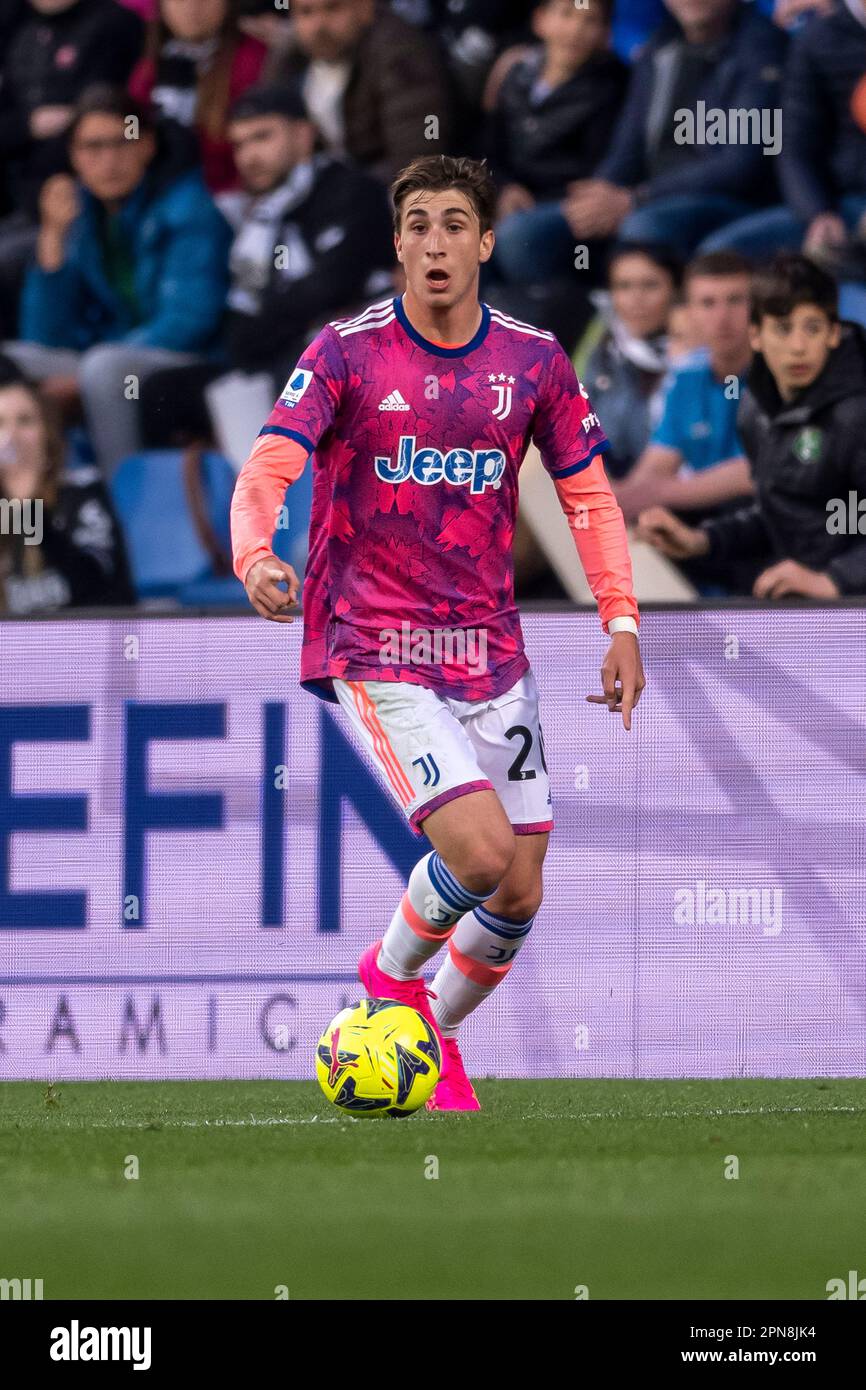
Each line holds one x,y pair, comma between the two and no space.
509,746
429,764
474,837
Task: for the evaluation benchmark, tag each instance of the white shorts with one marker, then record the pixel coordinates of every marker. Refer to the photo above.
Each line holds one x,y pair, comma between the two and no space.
430,749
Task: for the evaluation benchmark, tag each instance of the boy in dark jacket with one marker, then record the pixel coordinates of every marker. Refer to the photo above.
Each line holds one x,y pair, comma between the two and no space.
802,421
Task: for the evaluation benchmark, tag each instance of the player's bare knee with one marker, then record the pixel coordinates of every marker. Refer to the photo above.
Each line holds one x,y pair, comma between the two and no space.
520,904
486,861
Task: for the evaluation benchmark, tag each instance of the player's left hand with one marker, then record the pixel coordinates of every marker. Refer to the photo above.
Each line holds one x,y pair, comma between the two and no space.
789,577
622,677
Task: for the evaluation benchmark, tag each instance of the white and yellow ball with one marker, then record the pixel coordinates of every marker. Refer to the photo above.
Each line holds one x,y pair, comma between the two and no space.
378,1057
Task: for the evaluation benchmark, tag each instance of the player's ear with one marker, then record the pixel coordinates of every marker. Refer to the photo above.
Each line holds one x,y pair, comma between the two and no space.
398,246
488,241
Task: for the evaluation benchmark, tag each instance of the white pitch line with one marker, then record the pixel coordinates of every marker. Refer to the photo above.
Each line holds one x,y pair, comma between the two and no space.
270,1120
205,1124
704,1114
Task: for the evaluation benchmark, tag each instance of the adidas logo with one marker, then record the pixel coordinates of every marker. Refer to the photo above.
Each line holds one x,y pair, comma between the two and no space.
394,402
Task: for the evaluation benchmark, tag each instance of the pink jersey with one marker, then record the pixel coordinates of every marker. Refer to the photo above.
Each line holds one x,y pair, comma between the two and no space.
417,449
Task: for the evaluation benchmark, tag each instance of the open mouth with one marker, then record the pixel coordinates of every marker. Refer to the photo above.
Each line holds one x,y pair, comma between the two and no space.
438,279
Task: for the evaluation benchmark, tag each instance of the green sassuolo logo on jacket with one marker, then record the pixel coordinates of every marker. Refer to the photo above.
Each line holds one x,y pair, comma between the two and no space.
808,445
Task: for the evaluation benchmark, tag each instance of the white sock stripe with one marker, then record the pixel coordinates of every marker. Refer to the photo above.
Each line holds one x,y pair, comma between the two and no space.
495,924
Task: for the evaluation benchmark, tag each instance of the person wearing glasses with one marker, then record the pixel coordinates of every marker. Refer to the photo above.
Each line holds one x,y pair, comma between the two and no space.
130,275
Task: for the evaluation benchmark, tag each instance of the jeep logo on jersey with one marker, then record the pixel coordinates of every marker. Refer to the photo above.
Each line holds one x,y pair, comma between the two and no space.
295,388
480,469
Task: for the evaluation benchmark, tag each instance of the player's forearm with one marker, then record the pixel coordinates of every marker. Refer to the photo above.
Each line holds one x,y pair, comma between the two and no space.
708,488
598,528
274,464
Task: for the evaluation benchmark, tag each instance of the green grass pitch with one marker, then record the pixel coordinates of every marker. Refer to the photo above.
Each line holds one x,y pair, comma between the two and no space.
616,1185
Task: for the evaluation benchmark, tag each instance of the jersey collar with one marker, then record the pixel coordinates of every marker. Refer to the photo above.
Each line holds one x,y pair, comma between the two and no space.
435,348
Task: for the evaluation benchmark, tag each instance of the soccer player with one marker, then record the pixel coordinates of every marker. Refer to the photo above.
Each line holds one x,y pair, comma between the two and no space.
420,412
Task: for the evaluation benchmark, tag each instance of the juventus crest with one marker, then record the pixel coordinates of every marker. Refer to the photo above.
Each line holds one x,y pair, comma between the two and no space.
503,388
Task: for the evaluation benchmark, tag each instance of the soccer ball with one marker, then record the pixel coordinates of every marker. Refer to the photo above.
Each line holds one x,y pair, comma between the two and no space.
378,1057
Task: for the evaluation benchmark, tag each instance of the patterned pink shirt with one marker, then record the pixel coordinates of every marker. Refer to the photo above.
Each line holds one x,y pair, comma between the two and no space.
417,449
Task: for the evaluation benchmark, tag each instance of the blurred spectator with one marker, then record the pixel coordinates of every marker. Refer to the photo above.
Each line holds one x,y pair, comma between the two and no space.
375,86
623,355
551,125
313,237
68,550
792,14
471,33
823,160
55,50
131,273
803,422
681,339
196,65
635,21
694,460
659,184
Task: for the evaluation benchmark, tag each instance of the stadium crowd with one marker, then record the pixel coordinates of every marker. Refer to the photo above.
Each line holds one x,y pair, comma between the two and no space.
189,189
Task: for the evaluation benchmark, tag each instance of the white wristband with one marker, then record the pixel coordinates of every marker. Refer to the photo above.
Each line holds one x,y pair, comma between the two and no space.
622,625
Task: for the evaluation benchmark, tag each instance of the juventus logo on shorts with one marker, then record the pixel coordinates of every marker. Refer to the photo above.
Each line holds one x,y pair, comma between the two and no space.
429,767
504,388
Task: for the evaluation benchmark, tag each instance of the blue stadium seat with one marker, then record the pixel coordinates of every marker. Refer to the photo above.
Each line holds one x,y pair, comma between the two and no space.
167,557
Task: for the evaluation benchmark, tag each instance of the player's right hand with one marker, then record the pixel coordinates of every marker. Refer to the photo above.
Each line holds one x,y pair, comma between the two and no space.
264,592
660,528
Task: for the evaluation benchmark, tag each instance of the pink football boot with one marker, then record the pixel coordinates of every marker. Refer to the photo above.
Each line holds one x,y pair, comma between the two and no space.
454,1090
412,992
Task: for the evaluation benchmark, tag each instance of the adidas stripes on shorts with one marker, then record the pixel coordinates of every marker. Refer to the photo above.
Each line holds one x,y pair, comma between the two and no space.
430,749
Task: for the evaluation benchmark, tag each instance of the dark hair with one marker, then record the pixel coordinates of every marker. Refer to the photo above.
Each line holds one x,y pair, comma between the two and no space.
10,372
435,173
789,280
102,99
213,84
653,251
278,99
717,263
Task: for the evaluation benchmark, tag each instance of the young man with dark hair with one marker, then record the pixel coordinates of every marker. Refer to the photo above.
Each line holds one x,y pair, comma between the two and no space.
312,239
694,461
376,87
803,423
420,412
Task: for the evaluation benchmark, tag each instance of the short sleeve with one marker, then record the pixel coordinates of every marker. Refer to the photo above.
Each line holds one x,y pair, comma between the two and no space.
310,399
669,429
566,429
